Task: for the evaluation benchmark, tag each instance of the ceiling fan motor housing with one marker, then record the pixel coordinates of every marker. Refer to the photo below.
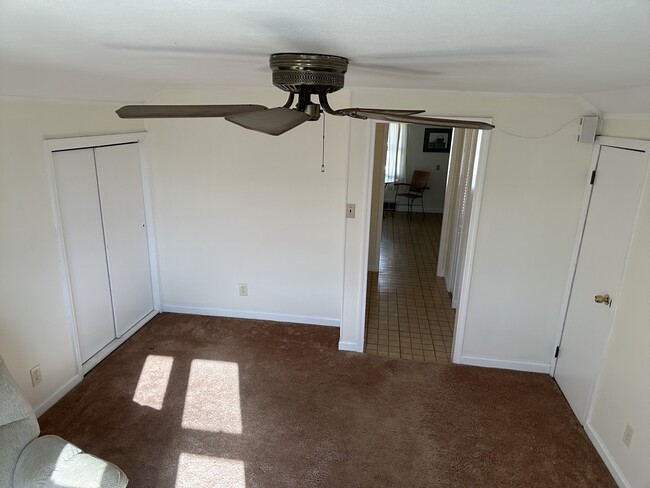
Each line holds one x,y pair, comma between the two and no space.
308,73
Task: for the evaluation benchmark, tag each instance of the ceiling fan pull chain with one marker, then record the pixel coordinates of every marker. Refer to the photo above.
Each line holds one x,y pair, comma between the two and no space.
322,163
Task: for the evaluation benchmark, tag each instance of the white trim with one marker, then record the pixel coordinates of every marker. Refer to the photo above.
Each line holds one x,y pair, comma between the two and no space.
636,144
93,141
607,458
381,212
628,116
482,147
245,314
88,365
365,244
349,346
71,143
57,395
444,226
117,342
529,366
64,273
145,173
461,313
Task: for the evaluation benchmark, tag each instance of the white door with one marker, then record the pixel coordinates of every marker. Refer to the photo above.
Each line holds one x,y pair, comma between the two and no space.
467,194
125,231
83,240
606,238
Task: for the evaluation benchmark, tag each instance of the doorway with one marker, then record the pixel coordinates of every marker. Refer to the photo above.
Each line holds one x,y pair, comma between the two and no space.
410,284
610,213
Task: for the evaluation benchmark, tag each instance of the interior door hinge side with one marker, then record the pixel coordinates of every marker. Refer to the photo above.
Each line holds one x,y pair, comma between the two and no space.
593,177
557,351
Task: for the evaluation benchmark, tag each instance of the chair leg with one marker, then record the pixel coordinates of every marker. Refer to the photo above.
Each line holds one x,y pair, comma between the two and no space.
422,205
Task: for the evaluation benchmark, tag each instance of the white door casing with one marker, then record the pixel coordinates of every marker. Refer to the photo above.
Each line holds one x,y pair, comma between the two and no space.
608,228
54,150
465,205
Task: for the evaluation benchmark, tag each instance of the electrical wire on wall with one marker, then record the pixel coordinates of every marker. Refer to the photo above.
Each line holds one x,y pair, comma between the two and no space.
538,137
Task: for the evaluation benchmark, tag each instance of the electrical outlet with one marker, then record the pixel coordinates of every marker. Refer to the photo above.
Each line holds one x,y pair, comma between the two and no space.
627,435
35,373
350,210
243,290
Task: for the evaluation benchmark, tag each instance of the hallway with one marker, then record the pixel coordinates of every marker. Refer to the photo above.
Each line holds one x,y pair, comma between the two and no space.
408,309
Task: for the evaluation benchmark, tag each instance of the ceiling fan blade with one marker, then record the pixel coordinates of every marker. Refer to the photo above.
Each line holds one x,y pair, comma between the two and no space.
180,111
274,121
412,119
385,111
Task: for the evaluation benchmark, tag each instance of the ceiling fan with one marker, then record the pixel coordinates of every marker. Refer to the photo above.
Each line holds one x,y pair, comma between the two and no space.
302,75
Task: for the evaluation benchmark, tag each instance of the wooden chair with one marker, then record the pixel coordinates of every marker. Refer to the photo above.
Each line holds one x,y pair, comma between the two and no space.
415,191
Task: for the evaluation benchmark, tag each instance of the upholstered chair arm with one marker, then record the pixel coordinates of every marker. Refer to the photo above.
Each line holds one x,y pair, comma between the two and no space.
51,462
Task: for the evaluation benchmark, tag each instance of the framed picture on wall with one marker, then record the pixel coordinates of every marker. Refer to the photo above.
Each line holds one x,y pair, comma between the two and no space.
437,140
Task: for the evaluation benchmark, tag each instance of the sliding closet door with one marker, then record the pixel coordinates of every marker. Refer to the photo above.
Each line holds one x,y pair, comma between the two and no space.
123,216
83,239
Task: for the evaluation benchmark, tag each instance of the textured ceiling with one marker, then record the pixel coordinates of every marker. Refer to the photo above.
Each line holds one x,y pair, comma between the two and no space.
129,50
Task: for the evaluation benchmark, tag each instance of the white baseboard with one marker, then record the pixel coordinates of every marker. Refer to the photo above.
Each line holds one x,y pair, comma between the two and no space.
528,366
115,343
613,468
242,314
77,378
60,393
350,346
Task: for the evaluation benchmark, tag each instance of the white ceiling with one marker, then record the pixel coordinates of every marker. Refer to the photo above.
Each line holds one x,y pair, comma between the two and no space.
127,50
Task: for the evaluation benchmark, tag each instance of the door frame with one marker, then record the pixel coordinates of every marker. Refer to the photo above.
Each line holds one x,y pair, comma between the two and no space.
633,144
483,146
89,142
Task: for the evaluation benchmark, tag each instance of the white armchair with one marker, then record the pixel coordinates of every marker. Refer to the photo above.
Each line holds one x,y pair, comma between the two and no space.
29,461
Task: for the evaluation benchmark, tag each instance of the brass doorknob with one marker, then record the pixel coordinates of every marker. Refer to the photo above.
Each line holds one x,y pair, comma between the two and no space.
603,299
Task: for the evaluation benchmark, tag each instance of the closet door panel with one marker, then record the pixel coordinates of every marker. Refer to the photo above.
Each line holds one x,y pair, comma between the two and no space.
122,207
83,237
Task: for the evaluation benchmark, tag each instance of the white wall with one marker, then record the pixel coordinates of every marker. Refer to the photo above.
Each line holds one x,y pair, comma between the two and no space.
530,210
416,159
33,323
377,210
436,163
236,206
632,128
623,391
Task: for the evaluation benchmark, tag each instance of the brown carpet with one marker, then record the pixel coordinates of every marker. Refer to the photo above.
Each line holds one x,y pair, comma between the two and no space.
258,404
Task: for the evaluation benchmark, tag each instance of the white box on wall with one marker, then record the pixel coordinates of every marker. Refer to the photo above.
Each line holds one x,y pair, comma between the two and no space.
587,129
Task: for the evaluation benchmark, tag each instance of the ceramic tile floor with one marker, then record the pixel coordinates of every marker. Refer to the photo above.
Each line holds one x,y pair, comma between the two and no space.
408,309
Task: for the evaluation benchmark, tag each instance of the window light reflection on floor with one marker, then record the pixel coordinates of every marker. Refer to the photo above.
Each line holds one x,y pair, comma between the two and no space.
195,471
212,400
153,381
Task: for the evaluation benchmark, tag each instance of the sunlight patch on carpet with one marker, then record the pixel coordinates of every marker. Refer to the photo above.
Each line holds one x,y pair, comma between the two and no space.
212,400
196,471
153,381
